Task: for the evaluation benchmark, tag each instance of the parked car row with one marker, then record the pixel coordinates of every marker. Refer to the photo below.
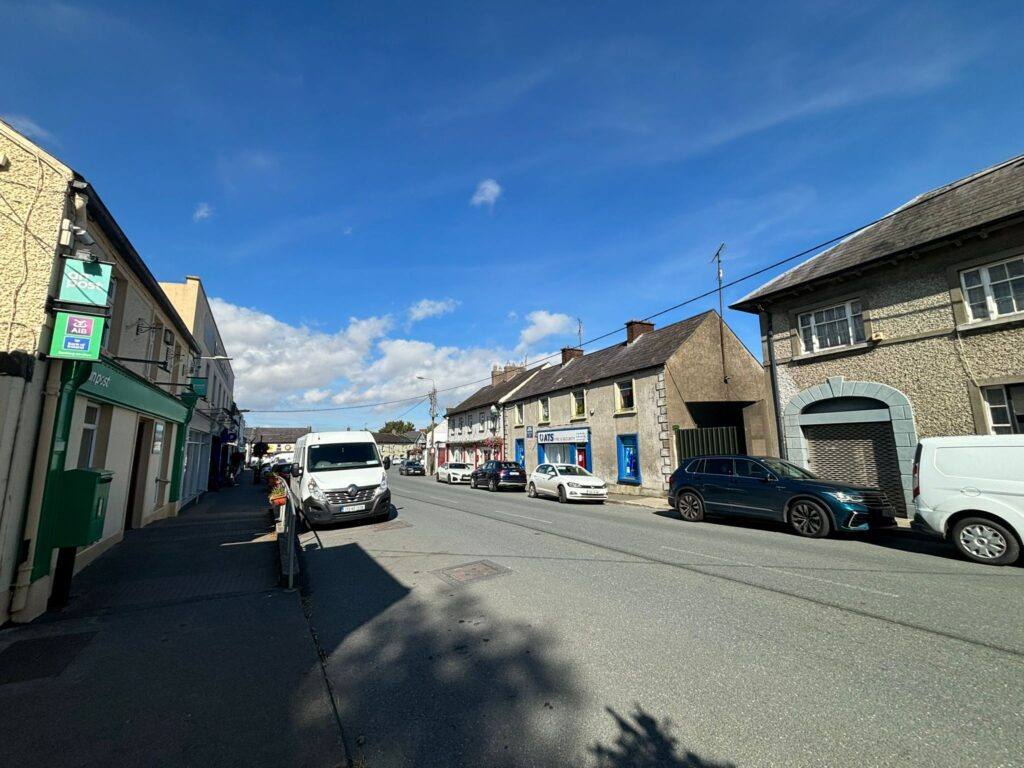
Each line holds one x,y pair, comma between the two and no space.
968,490
565,482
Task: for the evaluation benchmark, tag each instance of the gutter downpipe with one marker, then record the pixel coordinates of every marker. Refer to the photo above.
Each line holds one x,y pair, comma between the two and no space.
773,377
72,376
189,399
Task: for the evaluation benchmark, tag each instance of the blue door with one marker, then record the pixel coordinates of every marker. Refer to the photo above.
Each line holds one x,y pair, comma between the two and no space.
520,452
629,459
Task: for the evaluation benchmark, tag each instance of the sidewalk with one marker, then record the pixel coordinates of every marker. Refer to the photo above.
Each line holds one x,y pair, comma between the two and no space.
177,649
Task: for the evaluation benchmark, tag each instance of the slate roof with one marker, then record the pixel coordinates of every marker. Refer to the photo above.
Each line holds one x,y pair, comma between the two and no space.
415,435
983,197
651,349
492,393
391,437
276,434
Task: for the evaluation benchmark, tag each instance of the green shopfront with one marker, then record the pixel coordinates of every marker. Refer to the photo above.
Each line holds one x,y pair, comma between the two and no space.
127,434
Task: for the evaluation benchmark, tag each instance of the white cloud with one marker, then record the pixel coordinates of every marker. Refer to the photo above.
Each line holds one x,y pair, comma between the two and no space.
27,126
487,193
425,308
202,212
274,360
541,325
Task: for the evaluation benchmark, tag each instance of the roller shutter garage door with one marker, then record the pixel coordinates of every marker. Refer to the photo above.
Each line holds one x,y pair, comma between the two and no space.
863,453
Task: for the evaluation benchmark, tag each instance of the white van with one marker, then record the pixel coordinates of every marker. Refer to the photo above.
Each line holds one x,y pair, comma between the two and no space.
339,476
971,490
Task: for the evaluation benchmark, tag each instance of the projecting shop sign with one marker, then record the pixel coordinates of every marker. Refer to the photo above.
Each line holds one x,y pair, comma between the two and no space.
76,337
85,282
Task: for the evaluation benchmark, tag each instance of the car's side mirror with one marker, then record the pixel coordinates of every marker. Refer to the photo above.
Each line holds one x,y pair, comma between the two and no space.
295,470
387,463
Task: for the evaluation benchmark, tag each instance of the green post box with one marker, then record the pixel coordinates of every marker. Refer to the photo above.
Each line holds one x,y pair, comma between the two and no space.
82,507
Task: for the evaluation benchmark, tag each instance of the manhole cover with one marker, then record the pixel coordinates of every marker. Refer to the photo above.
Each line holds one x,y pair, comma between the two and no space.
40,657
390,525
476,571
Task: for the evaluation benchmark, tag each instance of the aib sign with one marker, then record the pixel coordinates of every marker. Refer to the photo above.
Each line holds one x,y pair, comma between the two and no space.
76,337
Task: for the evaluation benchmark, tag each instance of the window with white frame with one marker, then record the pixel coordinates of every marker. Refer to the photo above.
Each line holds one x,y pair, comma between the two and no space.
1005,409
994,290
579,403
545,409
519,413
624,395
87,444
832,327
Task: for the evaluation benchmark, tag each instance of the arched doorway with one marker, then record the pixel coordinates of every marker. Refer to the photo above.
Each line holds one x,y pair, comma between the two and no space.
855,431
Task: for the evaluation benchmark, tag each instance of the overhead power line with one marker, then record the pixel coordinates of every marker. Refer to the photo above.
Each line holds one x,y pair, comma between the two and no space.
710,292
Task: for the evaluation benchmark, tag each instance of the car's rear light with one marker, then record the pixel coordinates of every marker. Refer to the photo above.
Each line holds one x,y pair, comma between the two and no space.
917,471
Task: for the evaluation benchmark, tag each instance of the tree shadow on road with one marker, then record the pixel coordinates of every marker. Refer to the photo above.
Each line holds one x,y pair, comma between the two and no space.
644,742
432,677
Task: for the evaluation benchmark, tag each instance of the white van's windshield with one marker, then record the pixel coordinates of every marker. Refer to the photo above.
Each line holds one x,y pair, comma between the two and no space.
326,458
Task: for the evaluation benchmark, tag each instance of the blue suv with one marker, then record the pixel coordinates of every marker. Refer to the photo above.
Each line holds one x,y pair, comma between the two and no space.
774,489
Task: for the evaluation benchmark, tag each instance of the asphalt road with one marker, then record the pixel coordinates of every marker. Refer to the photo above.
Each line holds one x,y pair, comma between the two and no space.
617,636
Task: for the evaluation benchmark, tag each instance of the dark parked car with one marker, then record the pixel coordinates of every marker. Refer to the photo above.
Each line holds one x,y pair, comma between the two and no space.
408,467
774,489
498,474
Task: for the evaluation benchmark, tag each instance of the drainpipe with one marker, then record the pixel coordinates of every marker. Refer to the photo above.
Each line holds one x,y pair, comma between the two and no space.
189,399
72,376
774,378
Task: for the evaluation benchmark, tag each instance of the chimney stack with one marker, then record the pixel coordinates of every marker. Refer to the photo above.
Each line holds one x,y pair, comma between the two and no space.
499,374
570,353
636,328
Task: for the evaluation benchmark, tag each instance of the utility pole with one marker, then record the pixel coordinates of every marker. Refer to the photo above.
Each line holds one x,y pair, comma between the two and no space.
433,419
721,310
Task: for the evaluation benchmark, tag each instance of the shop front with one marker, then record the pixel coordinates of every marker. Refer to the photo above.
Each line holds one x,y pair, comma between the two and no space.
113,422
566,445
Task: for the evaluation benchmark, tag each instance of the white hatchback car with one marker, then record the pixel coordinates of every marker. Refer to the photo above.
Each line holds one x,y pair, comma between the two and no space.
970,490
454,472
566,482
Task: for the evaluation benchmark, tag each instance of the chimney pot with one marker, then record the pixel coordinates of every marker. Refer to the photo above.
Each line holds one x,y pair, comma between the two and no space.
570,353
636,328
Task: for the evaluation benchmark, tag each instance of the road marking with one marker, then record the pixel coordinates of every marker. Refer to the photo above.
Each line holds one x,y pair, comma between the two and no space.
776,569
525,517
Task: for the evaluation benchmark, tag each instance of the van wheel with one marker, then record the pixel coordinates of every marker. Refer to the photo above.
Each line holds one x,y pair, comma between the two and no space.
809,519
690,507
985,541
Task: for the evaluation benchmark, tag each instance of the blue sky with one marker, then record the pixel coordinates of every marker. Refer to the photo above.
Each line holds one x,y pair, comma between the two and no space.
378,192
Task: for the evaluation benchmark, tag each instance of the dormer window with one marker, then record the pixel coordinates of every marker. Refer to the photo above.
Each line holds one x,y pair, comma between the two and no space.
832,327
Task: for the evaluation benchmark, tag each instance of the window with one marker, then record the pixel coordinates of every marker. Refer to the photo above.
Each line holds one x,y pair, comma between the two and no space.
629,459
994,290
579,404
624,396
109,323
1005,409
87,445
545,410
519,413
718,466
326,457
158,437
833,327
751,469
695,467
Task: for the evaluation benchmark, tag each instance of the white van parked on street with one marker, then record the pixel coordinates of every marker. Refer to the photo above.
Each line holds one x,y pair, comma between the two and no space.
339,476
971,490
